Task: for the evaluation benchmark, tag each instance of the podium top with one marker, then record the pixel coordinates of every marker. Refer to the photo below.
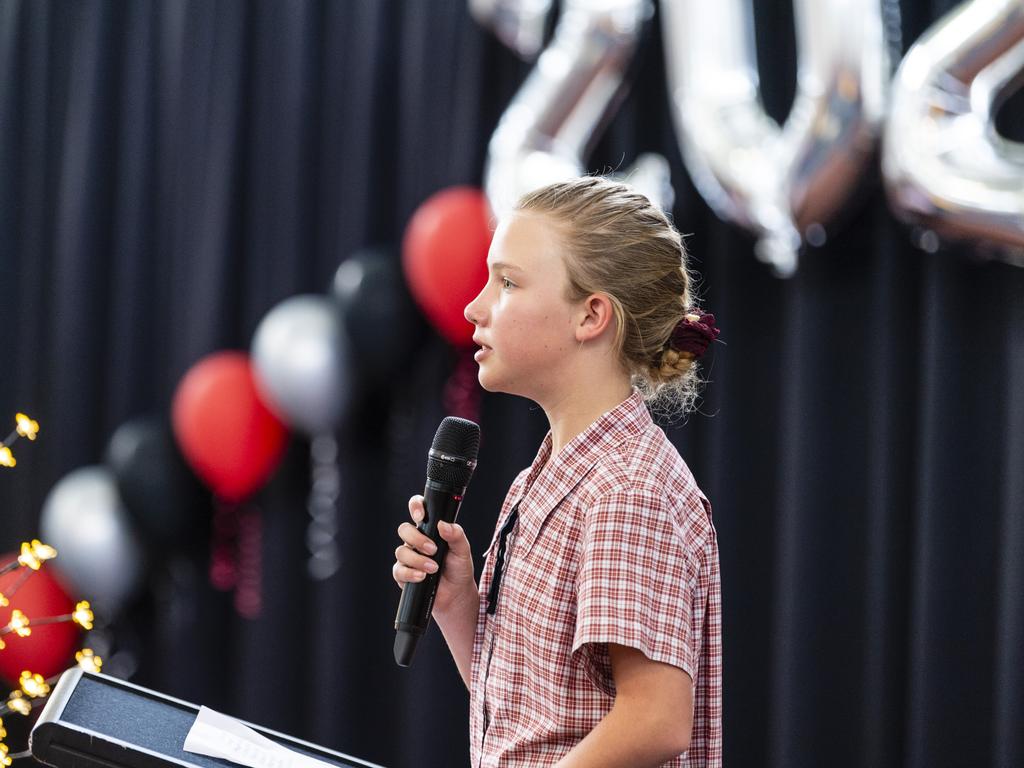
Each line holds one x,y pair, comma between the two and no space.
97,721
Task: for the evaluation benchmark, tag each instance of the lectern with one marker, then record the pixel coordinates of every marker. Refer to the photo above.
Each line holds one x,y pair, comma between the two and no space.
97,721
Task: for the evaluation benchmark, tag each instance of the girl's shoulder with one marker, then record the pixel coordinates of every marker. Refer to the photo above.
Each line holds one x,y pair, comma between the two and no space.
647,457
648,467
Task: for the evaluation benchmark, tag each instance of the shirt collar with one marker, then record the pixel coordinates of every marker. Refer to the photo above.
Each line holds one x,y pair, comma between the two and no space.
551,479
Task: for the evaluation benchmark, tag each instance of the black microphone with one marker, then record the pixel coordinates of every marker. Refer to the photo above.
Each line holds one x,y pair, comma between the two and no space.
450,465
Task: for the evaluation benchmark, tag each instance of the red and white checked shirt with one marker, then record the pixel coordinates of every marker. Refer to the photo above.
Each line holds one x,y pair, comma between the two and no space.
613,544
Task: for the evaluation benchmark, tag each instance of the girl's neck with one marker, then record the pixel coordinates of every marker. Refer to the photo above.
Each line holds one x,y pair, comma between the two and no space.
572,412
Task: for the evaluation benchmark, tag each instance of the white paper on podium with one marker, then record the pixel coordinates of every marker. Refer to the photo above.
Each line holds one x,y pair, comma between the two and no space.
217,735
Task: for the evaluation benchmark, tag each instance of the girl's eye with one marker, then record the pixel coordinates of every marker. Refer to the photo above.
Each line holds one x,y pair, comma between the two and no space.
506,283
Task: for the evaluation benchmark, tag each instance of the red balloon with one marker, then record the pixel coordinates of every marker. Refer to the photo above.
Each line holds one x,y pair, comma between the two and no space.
227,434
48,650
445,258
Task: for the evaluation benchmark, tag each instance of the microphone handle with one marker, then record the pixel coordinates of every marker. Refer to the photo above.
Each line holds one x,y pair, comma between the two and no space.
440,502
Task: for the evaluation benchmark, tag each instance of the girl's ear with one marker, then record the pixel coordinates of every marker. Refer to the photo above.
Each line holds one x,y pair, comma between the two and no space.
596,316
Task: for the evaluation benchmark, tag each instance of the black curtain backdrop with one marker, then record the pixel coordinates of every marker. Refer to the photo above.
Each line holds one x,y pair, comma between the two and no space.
171,170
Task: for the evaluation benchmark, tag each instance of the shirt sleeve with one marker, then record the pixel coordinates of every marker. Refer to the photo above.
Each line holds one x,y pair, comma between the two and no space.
635,586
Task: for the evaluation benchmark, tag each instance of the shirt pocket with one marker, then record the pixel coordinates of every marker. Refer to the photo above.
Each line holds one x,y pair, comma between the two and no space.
541,587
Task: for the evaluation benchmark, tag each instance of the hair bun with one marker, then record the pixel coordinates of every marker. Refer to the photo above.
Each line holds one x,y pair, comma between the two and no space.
673,363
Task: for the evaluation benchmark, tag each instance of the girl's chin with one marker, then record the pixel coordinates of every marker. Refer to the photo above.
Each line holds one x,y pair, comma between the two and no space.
489,381
491,384
486,382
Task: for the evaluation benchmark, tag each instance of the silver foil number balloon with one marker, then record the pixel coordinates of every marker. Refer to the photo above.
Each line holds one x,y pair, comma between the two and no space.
944,164
519,24
784,184
548,128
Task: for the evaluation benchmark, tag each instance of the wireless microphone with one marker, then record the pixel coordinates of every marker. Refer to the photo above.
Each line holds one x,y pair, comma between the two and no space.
450,466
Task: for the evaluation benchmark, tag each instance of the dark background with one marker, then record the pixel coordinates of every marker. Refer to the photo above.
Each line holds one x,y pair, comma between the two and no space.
171,170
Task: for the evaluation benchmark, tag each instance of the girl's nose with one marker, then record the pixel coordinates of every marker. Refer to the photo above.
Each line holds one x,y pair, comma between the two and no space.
473,312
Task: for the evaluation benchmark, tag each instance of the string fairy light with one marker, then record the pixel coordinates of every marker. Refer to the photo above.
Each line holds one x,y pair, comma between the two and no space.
31,692
33,686
21,625
24,426
34,553
88,660
82,616
16,702
18,624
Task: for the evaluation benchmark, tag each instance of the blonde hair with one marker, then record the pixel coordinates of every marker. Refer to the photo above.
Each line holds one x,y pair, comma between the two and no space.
618,243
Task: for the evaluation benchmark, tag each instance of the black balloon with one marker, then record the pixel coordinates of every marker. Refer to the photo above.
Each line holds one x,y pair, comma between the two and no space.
158,489
380,319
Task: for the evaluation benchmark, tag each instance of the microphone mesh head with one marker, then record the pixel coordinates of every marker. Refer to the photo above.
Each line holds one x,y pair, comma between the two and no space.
459,439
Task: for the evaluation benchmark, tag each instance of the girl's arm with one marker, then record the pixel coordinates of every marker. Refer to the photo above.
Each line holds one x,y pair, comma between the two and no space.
650,722
458,624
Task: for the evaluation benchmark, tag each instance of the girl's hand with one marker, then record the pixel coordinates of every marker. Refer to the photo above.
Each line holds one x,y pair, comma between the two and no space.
414,560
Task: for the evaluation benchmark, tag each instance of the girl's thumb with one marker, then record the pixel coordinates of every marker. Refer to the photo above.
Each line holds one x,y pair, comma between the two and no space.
455,536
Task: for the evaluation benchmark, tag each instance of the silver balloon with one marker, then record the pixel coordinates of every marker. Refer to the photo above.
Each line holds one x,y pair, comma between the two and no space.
651,175
301,361
788,183
519,24
546,131
97,550
944,164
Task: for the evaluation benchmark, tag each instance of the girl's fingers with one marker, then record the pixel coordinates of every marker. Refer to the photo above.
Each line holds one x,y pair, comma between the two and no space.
416,508
403,574
412,536
411,558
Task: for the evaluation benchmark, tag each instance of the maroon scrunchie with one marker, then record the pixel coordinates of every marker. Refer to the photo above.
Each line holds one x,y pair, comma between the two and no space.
694,336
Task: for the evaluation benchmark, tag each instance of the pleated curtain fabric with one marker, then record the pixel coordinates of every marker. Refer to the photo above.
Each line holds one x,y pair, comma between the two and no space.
171,170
